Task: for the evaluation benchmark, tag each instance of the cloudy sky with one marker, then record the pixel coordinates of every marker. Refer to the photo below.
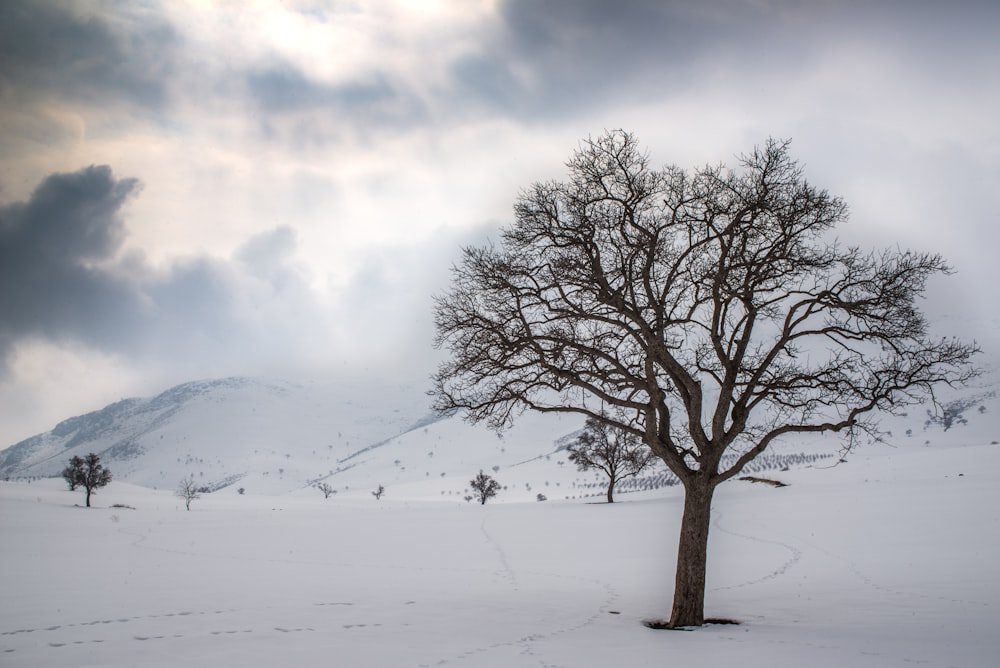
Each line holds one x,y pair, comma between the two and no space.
192,189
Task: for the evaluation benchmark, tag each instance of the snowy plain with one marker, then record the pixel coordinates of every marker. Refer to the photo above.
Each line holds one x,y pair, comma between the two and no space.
889,559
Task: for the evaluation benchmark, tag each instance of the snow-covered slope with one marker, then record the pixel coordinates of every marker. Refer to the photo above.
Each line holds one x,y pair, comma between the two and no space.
273,437
274,434
888,560
885,559
269,436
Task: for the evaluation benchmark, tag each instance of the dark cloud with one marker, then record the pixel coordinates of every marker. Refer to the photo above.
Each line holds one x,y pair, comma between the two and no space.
67,277
281,88
549,61
70,218
52,249
64,278
299,110
73,51
558,59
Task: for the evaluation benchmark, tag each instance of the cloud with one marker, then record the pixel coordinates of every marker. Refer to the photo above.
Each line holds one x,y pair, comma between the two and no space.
327,72
68,277
310,168
79,50
267,255
52,252
282,87
65,278
564,59
553,60
385,314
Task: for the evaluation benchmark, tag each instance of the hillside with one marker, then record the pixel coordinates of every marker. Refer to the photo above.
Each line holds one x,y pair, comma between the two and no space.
275,433
269,436
273,437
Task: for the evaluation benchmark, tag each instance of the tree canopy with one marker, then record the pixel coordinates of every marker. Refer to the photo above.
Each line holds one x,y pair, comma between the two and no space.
485,486
86,472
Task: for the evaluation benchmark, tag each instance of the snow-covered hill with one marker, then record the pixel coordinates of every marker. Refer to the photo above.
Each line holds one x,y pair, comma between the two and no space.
266,436
269,436
273,434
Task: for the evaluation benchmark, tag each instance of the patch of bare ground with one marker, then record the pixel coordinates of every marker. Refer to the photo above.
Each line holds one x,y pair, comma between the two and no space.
766,481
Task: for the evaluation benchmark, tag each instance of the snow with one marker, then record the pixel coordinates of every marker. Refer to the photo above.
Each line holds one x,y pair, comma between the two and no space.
273,436
886,560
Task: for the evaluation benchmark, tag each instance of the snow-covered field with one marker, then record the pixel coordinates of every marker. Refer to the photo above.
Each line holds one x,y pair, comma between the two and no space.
888,560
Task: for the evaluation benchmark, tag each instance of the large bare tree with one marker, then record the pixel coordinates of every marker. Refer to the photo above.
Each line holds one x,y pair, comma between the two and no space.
711,310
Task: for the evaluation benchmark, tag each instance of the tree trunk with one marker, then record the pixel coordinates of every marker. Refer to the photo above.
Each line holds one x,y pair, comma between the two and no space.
692,556
611,490
88,497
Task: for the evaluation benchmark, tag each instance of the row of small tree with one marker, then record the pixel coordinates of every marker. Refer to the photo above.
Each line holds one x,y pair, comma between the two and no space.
601,445
484,485
616,453
88,473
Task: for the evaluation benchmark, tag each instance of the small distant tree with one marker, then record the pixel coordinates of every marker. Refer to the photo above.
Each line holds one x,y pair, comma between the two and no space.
326,489
485,487
188,491
379,492
86,472
609,448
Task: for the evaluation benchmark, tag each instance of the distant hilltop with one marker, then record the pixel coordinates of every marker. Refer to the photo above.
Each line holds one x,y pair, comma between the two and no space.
223,428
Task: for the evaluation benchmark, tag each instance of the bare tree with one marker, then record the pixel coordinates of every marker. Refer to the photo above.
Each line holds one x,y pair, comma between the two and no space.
326,488
86,472
610,448
710,310
188,490
378,493
485,486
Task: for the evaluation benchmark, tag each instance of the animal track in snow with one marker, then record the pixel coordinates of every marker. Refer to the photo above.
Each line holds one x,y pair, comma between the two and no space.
796,556
527,645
